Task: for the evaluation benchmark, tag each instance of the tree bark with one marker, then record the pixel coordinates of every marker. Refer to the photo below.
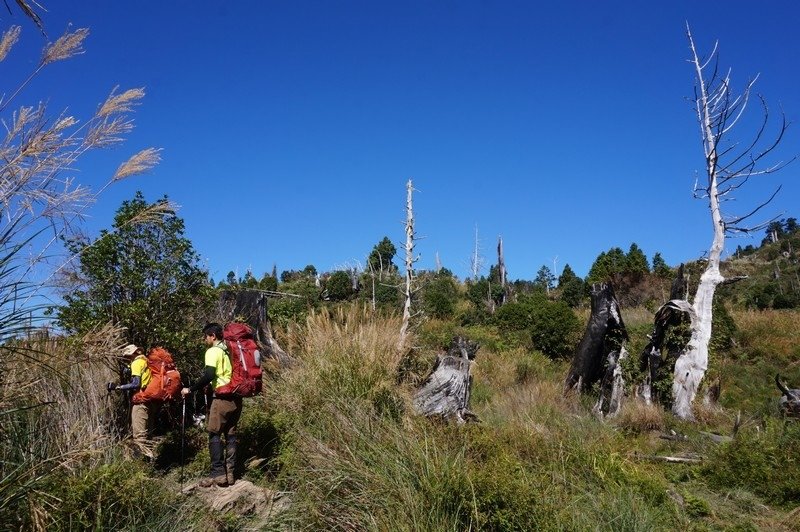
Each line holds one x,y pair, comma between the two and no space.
445,392
600,351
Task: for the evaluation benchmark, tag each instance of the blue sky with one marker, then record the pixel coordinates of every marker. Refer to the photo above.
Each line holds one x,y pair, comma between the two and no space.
289,129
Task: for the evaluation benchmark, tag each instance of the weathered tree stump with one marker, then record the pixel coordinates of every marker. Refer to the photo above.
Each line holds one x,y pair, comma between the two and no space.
600,352
250,306
445,392
790,400
671,314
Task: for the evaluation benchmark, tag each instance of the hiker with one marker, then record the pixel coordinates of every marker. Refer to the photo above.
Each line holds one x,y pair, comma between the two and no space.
143,415
225,410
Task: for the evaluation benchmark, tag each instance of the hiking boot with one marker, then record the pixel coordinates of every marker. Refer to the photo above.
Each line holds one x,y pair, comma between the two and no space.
230,478
215,481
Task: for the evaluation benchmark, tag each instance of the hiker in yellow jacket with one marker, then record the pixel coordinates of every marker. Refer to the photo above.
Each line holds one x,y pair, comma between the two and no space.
224,414
142,415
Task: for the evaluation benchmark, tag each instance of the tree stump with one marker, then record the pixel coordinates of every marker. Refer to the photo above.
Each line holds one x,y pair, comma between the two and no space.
445,392
250,307
671,314
604,336
790,400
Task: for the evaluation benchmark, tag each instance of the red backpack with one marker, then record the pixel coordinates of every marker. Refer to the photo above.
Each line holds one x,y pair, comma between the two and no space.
245,361
165,380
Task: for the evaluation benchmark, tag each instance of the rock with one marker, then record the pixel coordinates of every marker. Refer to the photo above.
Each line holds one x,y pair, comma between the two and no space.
243,498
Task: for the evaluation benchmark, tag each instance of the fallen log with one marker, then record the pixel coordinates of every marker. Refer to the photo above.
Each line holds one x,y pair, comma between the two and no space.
445,392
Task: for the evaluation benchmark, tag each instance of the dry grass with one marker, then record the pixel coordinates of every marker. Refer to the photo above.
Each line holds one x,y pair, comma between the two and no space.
10,38
352,330
637,417
770,332
66,46
65,381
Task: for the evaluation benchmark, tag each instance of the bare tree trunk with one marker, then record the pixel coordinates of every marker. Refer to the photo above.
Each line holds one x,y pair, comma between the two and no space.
410,260
718,111
476,261
501,266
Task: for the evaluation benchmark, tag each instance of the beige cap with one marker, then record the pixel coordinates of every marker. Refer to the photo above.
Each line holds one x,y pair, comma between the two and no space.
129,350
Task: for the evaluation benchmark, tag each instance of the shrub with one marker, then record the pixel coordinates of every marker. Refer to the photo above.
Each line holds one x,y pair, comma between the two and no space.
339,286
554,329
439,297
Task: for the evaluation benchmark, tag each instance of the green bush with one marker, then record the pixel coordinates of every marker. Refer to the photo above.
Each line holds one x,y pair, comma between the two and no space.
339,286
554,329
439,297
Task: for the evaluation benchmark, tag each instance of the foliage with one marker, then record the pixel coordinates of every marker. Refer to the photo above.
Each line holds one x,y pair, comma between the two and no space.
339,286
607,266
288,310
554,329
660,267
552,325
636,261
572,289
110,496
144,275
439,296
545,278
485,296
380,258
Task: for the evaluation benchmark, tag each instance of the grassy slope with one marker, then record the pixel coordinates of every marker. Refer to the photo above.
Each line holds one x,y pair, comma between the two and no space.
344,443
356,460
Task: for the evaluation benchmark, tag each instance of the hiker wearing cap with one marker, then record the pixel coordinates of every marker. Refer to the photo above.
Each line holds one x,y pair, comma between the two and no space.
225,410
143,415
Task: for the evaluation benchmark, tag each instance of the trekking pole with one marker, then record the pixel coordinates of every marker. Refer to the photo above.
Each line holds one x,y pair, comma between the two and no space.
183,438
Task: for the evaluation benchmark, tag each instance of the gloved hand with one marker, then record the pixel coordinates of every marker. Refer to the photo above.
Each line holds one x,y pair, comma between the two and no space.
111,386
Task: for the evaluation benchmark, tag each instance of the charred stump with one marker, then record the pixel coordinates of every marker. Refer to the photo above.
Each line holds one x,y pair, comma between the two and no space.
598,356
250,307
790,400
674,313
445,392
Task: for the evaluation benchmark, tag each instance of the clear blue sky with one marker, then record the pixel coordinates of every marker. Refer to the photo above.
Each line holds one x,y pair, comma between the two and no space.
289,129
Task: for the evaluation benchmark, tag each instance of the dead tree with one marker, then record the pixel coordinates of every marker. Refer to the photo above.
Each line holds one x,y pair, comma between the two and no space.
600,352
671,314
501,267
728,165
445,392
410,260
250,306
790,400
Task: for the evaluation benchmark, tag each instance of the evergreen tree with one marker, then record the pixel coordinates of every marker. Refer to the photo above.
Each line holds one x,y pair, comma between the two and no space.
144,275
608,266
572,287
660,267
636,261
545,278
380,258
566,275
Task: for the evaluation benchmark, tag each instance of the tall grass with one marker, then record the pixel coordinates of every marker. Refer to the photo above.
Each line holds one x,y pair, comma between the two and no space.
536,462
